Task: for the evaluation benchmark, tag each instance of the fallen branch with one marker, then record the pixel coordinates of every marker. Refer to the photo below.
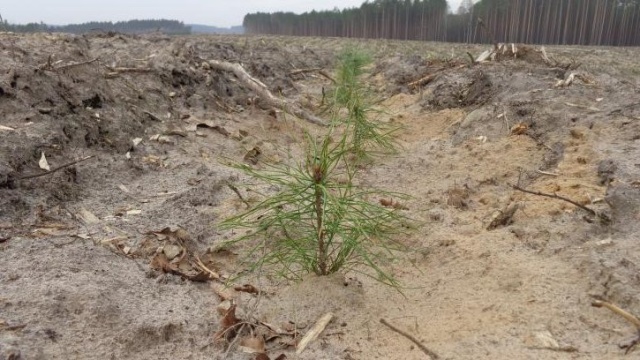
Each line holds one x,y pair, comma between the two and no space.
264,93
430,353
626,315
115,71
318,70
423,81
55,169
603,217
314,332
67,66
152,115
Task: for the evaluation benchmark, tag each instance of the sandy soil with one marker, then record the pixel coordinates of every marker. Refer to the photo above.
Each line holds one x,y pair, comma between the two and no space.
80,275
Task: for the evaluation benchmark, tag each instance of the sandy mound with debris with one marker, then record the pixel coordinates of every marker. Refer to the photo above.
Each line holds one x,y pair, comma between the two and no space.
118,256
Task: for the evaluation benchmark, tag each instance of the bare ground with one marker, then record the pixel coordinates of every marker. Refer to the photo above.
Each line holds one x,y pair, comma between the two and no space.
80,278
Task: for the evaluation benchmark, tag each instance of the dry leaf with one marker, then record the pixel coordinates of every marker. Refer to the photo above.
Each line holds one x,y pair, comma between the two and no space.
519,129
87,217
43,163
252,156
253,345
223,307
386,203
248,289
160,262
227,324
171,251
393,204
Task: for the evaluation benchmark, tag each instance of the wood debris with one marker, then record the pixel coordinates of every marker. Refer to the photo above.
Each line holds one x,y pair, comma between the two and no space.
503,217
314,332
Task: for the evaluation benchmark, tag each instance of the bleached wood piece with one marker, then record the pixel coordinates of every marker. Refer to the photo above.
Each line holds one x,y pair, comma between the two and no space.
314,332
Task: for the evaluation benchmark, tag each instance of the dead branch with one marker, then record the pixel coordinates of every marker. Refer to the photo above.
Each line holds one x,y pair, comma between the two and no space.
262,90
74,64
325,74
626,315
318,70
429,78
55,169
613,307
423,81
430,353
303,71
152,115
115,71
603,217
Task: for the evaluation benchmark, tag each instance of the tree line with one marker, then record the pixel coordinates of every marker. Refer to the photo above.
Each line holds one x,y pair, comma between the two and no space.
583,22
173,27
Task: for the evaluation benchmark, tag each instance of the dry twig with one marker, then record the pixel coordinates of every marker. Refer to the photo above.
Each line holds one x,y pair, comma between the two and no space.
115,71
626,315
235,190
603,217
426,350
318,70
206,269
55,169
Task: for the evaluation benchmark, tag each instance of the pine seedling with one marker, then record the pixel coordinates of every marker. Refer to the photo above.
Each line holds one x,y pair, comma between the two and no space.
319,222
352,106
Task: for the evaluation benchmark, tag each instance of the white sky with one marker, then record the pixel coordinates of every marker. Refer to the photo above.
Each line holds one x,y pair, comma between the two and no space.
223,13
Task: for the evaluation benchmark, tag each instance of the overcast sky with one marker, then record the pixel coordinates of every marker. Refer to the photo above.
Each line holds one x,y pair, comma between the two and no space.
222,13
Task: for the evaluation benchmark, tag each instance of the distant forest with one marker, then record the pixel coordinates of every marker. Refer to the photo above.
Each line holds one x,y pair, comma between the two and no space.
172,27
584,22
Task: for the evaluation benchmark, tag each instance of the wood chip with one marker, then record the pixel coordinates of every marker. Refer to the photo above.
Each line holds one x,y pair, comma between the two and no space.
313,333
